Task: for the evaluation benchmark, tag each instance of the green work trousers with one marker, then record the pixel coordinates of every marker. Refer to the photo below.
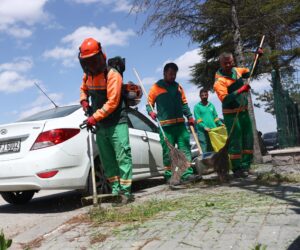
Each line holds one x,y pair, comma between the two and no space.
115,154
176,134
240,141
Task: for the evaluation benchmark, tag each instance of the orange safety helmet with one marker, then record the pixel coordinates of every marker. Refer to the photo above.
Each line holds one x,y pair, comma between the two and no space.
89,47
89,56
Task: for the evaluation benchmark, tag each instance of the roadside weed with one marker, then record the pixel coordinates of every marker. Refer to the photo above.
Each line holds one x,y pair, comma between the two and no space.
4,243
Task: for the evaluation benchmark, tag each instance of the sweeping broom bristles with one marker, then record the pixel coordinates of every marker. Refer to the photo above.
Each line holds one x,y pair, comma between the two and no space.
179,163
220,163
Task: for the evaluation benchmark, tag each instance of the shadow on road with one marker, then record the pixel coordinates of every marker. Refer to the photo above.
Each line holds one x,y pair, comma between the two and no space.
66,200
54,203
283,192
295,244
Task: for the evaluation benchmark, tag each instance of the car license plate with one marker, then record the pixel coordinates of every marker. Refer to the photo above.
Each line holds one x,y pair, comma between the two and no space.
10,147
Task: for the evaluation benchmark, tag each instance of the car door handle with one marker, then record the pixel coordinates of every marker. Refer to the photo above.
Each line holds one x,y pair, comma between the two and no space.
144,138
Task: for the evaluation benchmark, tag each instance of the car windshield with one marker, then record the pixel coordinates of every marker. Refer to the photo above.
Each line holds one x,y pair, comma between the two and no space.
51,113
270,135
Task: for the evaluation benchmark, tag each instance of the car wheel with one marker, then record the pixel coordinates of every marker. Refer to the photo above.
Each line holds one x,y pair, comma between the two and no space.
102,184
18,197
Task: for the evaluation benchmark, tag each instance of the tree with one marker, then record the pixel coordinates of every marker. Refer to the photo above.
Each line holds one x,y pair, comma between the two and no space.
290,83
228,25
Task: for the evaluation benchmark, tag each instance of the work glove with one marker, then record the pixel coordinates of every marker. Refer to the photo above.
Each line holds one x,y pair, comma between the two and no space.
244,88
191,121
91,121
259,52
85,105
153,115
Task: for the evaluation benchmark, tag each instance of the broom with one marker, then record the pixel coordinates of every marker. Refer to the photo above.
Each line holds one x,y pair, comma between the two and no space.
220,160
179,163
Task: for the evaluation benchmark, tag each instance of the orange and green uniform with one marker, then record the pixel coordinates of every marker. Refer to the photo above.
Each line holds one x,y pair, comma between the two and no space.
112,130
206,117
171,105
241,138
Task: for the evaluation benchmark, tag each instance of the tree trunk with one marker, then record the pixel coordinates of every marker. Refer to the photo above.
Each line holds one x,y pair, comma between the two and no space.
238,51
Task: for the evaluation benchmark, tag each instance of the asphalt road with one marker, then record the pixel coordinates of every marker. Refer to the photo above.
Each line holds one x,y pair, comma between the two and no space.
47,211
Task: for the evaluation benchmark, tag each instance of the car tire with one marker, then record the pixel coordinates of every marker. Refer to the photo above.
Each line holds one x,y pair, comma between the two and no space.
18,197
102,183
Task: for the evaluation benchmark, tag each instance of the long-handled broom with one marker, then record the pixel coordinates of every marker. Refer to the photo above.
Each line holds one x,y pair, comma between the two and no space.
220,160
179,163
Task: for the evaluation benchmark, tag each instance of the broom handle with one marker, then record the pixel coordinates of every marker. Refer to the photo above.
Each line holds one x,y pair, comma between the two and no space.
145,93
255,60
196,139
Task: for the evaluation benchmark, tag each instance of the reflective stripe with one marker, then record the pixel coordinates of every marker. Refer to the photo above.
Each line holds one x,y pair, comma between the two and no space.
104,110
168,168
247,151
97,88
235,156
113,179
231,111
199,120
125,182
172,121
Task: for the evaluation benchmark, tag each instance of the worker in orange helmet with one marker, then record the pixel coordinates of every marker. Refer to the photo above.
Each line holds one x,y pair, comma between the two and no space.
103,86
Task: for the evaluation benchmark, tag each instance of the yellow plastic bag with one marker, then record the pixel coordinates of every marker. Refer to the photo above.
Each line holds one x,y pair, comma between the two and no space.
218,137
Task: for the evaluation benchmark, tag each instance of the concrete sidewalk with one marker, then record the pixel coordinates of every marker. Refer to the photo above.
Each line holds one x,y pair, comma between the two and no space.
241,215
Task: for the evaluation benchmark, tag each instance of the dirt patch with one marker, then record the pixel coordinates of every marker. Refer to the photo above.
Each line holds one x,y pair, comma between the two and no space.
33,244
98,238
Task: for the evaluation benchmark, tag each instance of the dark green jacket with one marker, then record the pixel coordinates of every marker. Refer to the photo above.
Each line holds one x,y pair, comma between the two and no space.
171,103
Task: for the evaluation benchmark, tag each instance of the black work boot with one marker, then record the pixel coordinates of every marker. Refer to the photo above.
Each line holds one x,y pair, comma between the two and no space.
240,173
123,199
191,178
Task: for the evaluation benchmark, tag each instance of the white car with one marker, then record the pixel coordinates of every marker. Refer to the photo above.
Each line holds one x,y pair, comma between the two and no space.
48,150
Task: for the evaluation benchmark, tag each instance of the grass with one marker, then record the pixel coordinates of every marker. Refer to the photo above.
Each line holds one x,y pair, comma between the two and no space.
191,207
188,207
135,213
259,247
4,243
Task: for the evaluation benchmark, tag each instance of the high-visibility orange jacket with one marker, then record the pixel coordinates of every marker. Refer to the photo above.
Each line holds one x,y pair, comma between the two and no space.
226,87
106,97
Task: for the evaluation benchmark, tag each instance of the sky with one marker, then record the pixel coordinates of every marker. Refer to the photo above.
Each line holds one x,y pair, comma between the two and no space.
39,41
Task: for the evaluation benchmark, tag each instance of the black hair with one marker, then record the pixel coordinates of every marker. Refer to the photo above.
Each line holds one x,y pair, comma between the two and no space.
170,66
225,54
203,90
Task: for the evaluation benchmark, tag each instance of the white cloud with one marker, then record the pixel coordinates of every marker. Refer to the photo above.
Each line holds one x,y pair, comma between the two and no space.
40,103
11,81
107,35
20,65
265,122
184,63
33,110
43,100
149,80
262,84
12,75
17,16
19,32
122,6
117,5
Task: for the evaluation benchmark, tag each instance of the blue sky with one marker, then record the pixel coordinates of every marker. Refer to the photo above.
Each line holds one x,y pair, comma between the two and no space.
39,42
